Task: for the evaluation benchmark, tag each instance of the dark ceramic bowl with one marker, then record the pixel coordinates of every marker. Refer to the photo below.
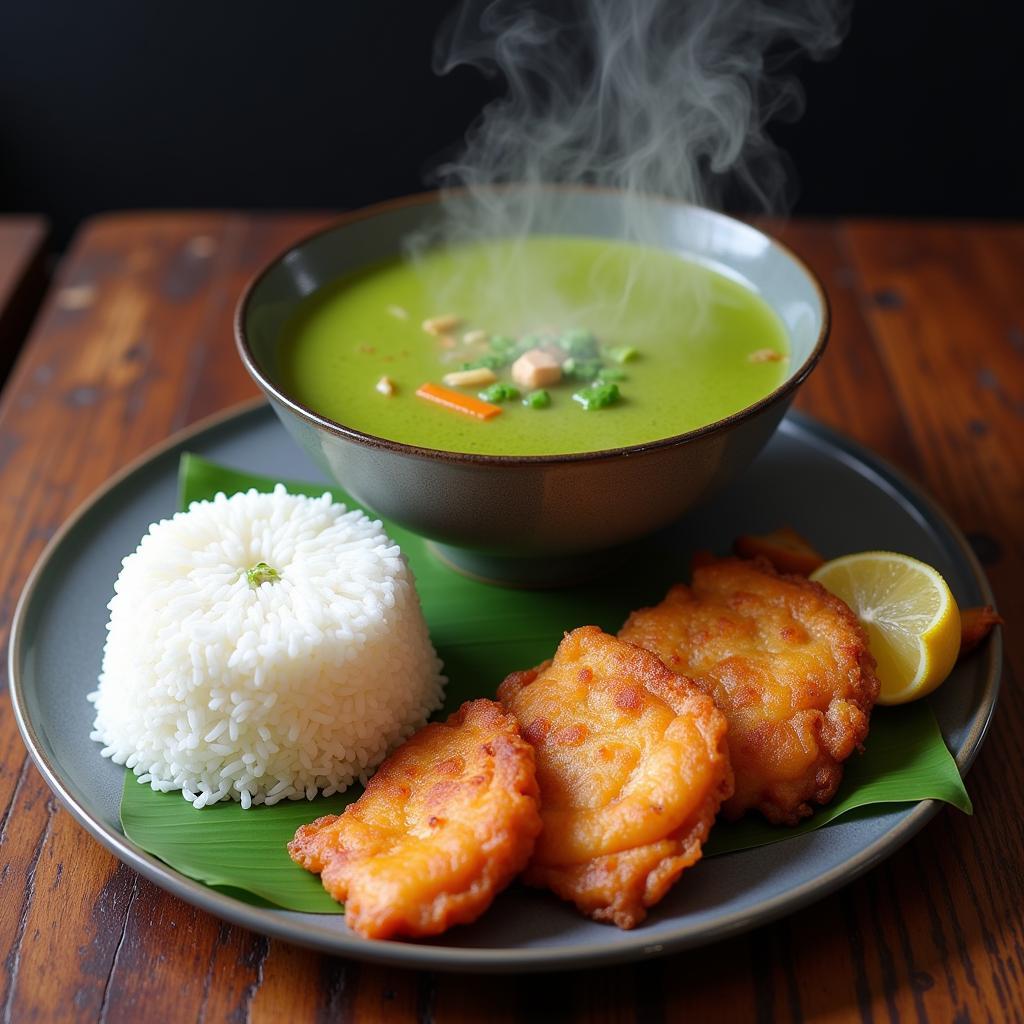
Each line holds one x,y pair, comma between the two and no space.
533,520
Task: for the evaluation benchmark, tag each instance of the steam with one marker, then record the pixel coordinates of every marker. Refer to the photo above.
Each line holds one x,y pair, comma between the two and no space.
662,97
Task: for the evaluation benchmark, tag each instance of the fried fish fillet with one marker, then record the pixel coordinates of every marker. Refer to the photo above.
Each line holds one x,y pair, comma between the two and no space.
632,766
785,661
447,821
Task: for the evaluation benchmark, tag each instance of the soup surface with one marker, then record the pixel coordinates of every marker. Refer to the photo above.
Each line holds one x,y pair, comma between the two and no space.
682,345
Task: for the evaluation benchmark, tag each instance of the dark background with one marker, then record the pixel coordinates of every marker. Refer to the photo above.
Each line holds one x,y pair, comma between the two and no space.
109,105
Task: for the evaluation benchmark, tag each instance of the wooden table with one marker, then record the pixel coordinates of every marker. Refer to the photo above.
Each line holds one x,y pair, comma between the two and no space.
22,279
925,366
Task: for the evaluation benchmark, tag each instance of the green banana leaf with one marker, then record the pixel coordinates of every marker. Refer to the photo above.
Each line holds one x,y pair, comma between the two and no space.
482,633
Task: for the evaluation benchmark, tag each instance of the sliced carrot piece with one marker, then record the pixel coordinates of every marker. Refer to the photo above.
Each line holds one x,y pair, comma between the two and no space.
975,625
784,548
466,404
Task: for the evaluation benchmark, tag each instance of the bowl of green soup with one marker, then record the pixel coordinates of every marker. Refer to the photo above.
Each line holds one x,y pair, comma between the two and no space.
534,404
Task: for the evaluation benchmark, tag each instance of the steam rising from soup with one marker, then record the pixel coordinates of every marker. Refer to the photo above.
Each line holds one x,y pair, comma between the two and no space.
649,97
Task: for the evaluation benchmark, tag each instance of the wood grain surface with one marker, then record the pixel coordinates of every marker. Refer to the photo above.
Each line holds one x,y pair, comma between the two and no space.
22,279
925,366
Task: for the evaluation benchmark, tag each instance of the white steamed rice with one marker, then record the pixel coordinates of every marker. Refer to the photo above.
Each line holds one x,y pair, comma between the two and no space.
225,690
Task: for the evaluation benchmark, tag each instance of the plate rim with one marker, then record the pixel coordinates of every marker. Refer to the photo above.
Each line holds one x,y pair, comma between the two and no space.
621,947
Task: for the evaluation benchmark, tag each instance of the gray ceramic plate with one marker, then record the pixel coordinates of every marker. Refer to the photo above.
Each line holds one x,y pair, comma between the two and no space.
858,503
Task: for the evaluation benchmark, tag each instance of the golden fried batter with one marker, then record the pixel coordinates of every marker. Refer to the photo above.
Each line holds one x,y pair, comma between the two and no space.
784,548
975,625
788,664
632,766
447,821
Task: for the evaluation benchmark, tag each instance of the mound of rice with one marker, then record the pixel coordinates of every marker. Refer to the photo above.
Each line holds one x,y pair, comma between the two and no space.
263,647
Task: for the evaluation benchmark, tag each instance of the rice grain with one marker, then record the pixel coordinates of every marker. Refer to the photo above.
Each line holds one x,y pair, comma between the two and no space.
299,684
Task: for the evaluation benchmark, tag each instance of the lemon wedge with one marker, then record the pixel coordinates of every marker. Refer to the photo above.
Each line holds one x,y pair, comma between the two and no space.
911,618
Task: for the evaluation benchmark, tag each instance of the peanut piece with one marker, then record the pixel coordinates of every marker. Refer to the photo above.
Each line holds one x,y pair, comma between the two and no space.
764,355
469,378
441,324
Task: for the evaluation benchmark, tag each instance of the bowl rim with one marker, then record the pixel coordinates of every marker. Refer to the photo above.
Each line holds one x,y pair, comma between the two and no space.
784,391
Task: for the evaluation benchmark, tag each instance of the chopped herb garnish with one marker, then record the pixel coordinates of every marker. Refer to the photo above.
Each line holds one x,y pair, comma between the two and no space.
526,342
485,363
502,344
598,396
581,369
579,342
261,573
539,399
609,375
500,392
623,354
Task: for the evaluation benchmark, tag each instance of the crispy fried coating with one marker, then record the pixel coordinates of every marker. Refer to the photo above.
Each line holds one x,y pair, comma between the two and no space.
785,661
786,549
975,625
447,821
632,766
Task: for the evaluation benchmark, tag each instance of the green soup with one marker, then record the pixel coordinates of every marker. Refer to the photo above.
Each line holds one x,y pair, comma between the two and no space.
683,345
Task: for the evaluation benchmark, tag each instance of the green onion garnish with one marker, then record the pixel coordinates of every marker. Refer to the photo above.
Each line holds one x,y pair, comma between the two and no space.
485,363
261,573
499,391
539,399
502,345
598,396
579,342
581,369
623,354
